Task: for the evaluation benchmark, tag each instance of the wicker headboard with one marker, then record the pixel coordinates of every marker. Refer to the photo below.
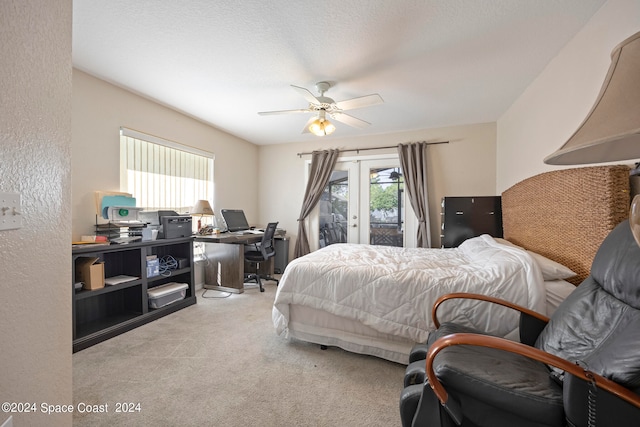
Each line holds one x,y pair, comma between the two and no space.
566,214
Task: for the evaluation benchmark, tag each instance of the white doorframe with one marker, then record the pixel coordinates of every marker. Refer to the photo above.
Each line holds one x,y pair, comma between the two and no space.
359,205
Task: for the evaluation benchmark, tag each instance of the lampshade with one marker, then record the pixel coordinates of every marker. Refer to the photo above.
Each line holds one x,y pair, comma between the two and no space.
611,131
202,207
321,126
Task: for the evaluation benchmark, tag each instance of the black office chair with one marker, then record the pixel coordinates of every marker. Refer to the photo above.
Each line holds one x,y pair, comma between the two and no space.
581,367
263,251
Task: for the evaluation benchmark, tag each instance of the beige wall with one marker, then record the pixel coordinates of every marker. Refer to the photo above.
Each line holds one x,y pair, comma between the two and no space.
35,260
100,109
464,167
268,182
556,103
36,144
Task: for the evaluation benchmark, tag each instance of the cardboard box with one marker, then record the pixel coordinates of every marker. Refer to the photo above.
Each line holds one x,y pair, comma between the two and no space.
90,272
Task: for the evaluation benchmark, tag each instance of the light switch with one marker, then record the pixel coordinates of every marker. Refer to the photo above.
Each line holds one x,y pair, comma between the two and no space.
10,211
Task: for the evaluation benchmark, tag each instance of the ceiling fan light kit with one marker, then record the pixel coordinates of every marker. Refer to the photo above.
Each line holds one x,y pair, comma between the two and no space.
321,105
321,126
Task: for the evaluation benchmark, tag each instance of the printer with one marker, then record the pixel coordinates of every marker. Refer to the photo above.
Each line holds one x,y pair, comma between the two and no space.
170,224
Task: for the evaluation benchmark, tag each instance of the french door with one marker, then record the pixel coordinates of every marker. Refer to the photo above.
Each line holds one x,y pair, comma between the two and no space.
364,202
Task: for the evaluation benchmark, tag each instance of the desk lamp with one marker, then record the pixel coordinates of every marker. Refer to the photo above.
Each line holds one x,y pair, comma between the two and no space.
202,208
611,130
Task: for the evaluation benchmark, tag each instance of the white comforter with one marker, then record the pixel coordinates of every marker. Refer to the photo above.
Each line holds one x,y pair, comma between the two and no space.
392,290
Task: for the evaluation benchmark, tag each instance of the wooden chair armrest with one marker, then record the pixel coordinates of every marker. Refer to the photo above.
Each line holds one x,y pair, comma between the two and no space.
481,297
524,350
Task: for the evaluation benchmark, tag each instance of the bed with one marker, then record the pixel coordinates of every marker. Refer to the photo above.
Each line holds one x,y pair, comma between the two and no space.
377,300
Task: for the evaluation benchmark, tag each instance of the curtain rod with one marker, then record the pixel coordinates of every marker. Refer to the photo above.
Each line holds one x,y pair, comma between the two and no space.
358,150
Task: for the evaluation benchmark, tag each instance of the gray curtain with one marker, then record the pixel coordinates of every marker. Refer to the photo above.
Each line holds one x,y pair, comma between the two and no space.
413,159
322,163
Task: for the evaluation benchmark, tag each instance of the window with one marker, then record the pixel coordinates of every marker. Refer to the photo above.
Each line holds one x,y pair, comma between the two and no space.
162,174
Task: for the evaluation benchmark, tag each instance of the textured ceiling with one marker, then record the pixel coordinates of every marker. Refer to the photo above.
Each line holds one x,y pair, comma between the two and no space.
434,62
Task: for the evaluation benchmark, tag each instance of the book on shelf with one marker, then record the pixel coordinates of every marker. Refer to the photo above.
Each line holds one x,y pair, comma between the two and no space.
83,244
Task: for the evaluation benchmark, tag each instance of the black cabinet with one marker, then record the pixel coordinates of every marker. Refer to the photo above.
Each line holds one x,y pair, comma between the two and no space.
103,313
466,217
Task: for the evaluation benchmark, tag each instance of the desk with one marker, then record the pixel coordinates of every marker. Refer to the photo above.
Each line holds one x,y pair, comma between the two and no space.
225,270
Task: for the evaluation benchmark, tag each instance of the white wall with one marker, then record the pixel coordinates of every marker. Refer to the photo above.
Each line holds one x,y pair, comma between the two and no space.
100,109
35,260
556,103
268,182
36,144
464,167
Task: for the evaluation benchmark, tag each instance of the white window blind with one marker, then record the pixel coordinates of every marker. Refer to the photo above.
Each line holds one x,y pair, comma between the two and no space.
163,174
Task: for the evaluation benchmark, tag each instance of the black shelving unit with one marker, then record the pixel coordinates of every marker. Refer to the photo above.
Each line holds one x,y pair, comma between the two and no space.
466,217
106,312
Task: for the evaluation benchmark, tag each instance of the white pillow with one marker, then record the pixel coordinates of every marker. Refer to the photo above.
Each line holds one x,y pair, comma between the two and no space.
550,269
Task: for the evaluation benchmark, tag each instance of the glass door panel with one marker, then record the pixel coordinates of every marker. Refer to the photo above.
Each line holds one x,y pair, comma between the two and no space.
386,206
335,207
364,202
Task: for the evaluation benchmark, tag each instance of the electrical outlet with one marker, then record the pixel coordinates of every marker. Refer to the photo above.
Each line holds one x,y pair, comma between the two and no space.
10,211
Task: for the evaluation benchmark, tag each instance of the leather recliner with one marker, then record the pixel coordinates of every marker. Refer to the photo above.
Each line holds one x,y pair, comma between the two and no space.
581,367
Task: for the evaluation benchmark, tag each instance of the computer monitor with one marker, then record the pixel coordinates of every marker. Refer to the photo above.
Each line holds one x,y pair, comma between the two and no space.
235,219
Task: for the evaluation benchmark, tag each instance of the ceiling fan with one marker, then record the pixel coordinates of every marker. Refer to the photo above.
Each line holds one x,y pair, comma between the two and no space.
322,106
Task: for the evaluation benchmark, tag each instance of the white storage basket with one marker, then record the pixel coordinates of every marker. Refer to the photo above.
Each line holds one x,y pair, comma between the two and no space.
166,294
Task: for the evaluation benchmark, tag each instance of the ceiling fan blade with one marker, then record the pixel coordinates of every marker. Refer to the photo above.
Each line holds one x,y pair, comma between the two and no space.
350,120
360,102
268,113
306,94
306,127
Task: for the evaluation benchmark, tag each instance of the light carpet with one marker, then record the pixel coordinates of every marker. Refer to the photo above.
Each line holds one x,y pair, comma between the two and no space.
220,363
